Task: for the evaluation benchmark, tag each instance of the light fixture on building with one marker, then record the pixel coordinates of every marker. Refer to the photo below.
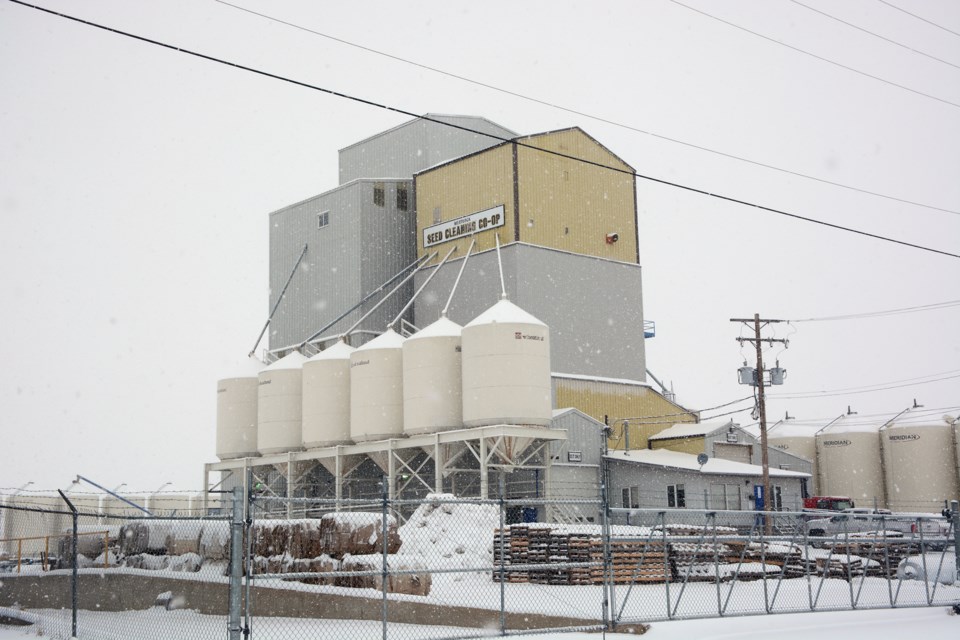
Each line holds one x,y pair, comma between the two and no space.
612,237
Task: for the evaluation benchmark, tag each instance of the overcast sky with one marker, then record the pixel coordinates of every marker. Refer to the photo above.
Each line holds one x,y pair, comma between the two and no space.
135,184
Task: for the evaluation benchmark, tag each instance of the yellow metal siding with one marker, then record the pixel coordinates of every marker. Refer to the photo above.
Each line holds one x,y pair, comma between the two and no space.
637,403
467,186
572,206
683,445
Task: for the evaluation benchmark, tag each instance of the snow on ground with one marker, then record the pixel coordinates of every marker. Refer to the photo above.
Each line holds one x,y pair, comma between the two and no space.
889,624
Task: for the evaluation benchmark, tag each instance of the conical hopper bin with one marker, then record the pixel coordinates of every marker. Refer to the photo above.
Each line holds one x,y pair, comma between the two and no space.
297,467
449,452
382,458
348,464
509,448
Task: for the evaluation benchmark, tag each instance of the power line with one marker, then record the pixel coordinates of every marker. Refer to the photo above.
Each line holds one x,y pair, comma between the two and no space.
638,419
584,114
867,31
913,15
842,392
889,312
868,386
516,141
813,55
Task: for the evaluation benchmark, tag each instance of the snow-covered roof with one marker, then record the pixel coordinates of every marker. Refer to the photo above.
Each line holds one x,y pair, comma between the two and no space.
691,430
688,462
293,360
389,339
442,328
505,311
340,351
573,376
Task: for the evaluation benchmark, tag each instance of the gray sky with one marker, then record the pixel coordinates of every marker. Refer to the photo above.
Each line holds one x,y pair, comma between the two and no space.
136,183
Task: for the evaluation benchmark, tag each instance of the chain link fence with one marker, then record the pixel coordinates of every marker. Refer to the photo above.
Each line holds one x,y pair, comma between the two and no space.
442,567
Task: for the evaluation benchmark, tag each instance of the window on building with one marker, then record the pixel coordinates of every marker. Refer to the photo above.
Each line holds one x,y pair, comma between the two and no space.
630,497
323,219
676,496
777,492
436,215
379,194
403,200
725,496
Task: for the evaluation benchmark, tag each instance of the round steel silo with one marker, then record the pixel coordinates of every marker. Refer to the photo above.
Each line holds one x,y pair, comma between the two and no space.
326,397
798,439
920,466
849,463
237,411
376,388
280,405
432,381
506,368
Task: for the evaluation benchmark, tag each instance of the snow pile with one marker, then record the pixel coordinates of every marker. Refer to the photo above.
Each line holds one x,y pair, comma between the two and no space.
932,567
444,533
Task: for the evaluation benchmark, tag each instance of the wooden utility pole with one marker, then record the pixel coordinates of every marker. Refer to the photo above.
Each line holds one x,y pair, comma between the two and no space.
757,342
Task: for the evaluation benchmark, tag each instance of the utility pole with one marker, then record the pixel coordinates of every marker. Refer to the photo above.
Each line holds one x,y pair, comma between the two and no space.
777,378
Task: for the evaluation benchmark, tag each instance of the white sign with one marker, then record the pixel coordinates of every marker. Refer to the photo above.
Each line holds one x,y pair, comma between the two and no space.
465,226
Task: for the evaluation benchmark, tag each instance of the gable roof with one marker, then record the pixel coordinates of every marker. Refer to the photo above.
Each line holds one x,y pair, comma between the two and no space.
665,458
693,430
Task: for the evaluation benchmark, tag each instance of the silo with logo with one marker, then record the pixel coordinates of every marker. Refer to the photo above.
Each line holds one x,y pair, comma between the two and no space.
506,368
848,457
920,466
280,406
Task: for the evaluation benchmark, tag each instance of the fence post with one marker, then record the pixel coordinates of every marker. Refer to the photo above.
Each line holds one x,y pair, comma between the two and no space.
236,559
503,603
609,619
73,559
385,495
955,516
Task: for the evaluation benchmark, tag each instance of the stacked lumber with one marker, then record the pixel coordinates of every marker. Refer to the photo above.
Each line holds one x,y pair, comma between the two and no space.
635,561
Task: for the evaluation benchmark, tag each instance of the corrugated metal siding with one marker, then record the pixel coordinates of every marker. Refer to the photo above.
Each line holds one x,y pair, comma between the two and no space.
639,403
416,145
361,245
594,309
387,247
694,446
467,186
652,482
584,436
594,330
571,205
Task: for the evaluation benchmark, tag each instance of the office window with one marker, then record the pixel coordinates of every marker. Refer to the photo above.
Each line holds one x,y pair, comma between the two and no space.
676,496
725,496
379,194
323,219
630,497
403,201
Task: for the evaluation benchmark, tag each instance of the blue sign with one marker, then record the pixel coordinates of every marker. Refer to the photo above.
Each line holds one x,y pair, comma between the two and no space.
758,497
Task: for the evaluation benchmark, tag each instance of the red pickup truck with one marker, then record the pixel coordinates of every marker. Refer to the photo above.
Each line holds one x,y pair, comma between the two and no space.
828,503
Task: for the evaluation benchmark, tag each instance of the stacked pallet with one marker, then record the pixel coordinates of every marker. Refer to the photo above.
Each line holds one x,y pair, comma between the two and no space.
635,561
881,555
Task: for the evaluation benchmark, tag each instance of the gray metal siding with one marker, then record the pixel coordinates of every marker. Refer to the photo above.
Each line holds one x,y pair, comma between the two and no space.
653,482
584,435
362,246
417,145
592,306
776,457
387,245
